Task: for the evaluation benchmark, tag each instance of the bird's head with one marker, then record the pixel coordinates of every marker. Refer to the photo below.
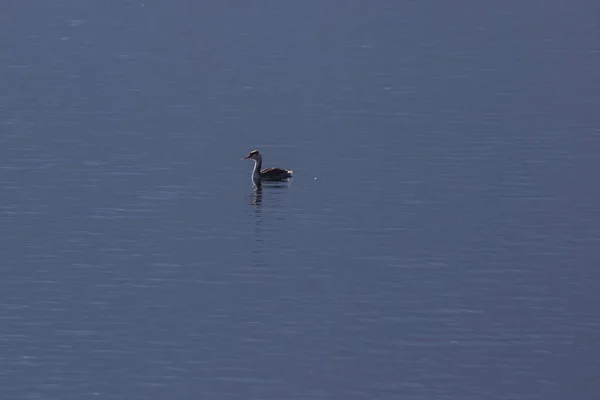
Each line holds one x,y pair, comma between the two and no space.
253,155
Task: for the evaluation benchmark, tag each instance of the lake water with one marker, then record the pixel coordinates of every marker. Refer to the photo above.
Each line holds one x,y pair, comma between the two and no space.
440,238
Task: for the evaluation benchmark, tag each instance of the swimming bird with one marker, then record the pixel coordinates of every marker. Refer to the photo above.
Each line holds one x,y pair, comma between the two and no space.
267,174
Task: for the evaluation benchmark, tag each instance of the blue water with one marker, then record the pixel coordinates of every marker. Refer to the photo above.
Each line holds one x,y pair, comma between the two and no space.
440,238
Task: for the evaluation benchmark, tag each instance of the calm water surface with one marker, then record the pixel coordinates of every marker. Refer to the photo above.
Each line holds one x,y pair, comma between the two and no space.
440,238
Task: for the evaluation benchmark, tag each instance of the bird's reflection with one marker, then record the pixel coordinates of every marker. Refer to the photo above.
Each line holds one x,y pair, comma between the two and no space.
256,199
275,190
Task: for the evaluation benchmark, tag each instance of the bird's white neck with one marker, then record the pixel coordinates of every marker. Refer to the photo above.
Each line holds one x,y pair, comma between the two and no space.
256,170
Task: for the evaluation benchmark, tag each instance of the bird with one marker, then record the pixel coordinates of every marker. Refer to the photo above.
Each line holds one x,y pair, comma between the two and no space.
267,174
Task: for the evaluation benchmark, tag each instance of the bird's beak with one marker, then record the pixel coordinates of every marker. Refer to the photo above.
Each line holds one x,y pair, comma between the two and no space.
245,158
